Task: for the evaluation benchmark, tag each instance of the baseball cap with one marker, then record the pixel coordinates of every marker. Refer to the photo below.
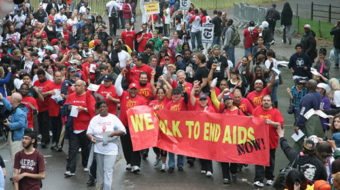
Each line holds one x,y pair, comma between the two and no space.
74,46
71,69
178,54
324,86
30,133
133,85
108,78
306,26
203,96
227,97
49,48
77,75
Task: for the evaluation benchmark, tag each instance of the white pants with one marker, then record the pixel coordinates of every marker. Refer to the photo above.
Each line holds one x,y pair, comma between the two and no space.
105,165
15,146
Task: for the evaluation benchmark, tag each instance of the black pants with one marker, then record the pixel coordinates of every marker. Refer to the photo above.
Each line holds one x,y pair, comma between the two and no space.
44,126
272,25
228,168
56,125
131,157
76,141
262,172
206,165
120,16
113,24
93,169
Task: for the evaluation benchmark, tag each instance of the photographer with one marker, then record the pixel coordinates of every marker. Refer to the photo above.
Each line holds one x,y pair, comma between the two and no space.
17,122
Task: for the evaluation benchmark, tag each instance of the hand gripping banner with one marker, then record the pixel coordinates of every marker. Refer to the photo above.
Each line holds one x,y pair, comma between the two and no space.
212,136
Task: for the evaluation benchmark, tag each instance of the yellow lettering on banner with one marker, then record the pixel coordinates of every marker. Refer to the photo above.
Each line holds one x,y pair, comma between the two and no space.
148,121
137,122
189,124
242,135
251,134
226,136
197,130
175,130
217,132
234,134
206,131
163,125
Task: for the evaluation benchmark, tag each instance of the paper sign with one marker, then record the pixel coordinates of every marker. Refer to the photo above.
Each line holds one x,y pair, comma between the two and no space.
151,8
314,71
74,111
321,114
93,68
283,63
296,137
93,87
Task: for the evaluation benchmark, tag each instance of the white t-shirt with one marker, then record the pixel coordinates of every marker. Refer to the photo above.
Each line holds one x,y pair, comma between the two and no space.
167,16
336,98
98,125
20,21
275,65
110,5
62,19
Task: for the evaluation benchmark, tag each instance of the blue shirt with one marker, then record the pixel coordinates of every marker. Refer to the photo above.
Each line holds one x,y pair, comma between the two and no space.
297,96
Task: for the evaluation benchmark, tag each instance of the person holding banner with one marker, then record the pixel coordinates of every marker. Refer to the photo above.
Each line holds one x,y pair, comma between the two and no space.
274,120
178,103
202,106
128,99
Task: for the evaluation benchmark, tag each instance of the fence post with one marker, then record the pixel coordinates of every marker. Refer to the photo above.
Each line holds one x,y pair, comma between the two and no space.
298,24
311,14
297,9
330,13
320,29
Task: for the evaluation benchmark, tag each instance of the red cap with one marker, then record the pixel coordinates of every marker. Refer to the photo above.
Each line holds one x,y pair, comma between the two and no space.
36,61
133,85
96,42
54,41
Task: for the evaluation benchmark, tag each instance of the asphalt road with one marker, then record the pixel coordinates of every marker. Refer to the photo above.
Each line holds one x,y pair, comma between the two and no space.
150,177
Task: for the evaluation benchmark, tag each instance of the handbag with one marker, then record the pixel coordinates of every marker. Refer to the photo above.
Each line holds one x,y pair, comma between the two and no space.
291,107
280,180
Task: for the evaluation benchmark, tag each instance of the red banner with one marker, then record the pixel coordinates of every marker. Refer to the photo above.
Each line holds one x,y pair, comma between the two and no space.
212,136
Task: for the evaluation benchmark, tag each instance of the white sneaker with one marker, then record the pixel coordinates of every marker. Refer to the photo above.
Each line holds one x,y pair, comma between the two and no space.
163,167
86,170
203,171
258,184
208,174
135,169
128,167
270,182
69,174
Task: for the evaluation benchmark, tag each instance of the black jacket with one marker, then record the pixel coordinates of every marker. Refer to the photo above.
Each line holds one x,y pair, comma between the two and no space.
336,39
308,43
286,17
311,167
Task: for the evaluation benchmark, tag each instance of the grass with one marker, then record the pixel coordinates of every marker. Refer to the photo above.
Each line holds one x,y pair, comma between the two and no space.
321,28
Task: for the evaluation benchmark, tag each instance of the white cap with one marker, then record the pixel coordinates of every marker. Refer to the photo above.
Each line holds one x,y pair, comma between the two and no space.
306,26
265,24
324,86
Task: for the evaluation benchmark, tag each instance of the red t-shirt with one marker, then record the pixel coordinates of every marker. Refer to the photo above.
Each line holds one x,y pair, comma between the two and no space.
42,105
32,105
43,34
160,105
250,37
256,98
188,86
53,107
86,68
127,102
63,51
274,115
145,91
112,106
246,106
233,111
86,100
133,74
176,106
141,44
29,163
197,103
129,37
208,109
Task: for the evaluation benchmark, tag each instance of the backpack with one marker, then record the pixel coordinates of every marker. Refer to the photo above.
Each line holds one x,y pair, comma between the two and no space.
235,38
113,12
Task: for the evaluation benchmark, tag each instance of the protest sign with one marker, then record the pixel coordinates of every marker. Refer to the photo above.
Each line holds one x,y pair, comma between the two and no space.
212,136
151,8
185,5
207,33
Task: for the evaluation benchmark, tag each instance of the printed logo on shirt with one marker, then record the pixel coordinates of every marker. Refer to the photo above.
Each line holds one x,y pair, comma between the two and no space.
175,107
131,103
257,100
144,92
27,164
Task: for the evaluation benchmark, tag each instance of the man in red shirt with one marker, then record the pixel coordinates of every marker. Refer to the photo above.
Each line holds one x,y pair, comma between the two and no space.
250,35
144,87
89,69
133,74
29,102
255,97
242,103
108,91
142,38
128,35
29,164
52,93
81,104
39,30
128,99
43,117
274,120
181,76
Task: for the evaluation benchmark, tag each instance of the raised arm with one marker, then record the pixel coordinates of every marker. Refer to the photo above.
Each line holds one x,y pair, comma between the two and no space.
118,83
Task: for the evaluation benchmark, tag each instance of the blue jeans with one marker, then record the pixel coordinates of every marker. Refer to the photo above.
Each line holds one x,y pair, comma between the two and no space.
274,90
247,51
171,162
198,36
336,56
216,41
231,53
